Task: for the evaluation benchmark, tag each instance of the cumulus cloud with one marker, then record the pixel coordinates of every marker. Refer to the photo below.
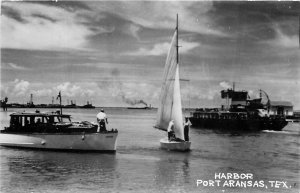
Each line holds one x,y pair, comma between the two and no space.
72,90
20,87
162,49
195,96
42,92
225,85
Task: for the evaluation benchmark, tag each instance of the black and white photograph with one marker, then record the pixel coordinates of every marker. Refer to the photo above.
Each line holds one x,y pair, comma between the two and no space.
150,96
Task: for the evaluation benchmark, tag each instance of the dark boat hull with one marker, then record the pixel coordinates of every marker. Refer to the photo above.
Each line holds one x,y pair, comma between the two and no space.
241,125
143,108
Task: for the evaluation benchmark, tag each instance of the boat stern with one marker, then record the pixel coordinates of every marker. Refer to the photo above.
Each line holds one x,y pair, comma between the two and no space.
175,145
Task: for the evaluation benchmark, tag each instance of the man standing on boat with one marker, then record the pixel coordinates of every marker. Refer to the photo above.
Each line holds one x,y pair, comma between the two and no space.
186,127
102,120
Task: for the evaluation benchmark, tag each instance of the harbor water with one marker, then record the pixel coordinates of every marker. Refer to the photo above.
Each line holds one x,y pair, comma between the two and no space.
139,165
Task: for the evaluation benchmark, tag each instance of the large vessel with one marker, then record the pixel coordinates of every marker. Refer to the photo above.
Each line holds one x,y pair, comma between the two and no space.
240,114
88,105
56,131
143,108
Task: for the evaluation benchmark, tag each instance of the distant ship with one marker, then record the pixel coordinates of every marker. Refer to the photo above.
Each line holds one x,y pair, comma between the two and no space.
30,104
70,106
146,107
88,106
241,114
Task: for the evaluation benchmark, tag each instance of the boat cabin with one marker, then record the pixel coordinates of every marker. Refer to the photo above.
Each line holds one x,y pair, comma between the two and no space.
25,119
281,108
45,123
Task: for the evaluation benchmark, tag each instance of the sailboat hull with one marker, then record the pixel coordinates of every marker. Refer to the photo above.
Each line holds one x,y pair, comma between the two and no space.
175,145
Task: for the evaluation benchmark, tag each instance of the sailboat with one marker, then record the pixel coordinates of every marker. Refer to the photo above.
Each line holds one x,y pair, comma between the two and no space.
170,107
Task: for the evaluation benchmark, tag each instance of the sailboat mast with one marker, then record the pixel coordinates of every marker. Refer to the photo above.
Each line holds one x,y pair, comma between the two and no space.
177,55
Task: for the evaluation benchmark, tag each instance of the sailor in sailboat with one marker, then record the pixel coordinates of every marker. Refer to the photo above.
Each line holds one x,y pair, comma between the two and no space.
186,128
170,130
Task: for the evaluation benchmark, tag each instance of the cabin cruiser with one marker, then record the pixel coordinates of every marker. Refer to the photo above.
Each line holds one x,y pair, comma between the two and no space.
56,131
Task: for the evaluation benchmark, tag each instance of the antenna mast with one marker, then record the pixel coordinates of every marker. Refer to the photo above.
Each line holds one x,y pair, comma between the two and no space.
59,96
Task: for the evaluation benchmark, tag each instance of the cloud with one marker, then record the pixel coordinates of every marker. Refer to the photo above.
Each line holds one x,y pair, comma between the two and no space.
128,92
158,49
72,90
44,28
282,40
12,66
162,49
20,87
23,88
42,92
193,16
187,46
225,85
134,29
40,26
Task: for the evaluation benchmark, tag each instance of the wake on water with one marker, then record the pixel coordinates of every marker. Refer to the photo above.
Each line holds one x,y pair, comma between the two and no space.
281,132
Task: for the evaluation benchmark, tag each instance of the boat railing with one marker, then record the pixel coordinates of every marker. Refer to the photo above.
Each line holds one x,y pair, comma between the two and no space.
220,115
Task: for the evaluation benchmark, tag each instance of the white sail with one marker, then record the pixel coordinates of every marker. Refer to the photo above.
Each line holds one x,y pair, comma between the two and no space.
170,99
166,94
177,107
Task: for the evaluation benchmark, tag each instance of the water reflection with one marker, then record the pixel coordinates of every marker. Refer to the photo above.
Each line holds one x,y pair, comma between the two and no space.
61,170
172,172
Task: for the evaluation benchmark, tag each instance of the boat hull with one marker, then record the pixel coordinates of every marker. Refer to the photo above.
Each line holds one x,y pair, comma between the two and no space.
175,145
105,142
241,125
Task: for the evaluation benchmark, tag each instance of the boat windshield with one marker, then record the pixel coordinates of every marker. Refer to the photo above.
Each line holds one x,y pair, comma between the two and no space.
59,119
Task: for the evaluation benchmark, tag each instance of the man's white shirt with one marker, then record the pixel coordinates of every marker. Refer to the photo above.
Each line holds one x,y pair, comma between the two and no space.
170,126
101,116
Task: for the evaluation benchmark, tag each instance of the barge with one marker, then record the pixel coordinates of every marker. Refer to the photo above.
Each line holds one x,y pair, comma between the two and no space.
241,113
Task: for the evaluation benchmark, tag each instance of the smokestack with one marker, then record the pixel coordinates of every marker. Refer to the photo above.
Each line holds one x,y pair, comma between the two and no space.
119,89
31,98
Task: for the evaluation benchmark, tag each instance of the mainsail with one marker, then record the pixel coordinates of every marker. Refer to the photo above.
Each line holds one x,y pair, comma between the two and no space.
170,100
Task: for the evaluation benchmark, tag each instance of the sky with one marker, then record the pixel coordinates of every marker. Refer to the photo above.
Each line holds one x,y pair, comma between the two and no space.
112,53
